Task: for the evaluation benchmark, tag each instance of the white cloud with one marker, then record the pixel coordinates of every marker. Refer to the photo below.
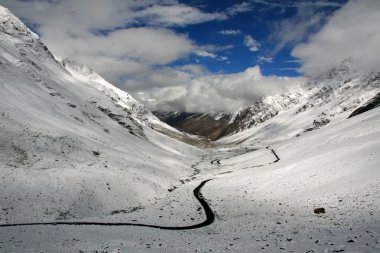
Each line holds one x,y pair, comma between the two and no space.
203,53
230,32
121,53
291,31
100,33
265,59
218,92
295,4
239,8
224,58
176,15
353,31
110,13
251,43
157,78
195,70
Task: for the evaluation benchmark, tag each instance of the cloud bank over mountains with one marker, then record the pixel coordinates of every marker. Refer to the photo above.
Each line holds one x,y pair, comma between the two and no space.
222,92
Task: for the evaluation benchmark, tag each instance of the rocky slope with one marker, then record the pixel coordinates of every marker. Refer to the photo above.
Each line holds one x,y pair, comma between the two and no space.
209,125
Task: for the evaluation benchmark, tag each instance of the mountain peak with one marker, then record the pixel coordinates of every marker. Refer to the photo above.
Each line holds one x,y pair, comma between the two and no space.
346,68
347,64
12,25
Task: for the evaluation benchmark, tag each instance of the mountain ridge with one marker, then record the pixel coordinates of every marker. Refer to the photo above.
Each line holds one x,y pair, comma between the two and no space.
343,89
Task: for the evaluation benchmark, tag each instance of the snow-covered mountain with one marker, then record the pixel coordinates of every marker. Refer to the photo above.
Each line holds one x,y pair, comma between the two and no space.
331,97
121,98
61,124
336,93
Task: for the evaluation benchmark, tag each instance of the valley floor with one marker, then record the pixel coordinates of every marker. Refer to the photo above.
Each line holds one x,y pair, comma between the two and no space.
263,196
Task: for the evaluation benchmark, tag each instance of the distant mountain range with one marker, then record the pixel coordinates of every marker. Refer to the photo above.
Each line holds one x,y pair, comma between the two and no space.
343,89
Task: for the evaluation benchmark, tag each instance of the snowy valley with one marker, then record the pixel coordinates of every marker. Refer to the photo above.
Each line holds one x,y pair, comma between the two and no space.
84,167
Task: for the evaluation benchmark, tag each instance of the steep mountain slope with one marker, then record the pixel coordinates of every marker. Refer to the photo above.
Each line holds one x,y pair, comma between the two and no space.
121,98
65,133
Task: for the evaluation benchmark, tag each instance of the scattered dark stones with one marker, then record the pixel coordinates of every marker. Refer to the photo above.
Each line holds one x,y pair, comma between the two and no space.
320,122
53,94
80,120
137,130
319,210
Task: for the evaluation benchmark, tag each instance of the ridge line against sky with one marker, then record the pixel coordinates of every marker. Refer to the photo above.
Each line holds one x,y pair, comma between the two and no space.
204,55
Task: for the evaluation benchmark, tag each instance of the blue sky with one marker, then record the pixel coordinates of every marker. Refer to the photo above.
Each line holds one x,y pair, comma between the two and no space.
206,55
257,19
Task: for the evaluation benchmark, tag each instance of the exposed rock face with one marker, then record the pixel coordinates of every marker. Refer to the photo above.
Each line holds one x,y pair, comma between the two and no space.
371,104
209,125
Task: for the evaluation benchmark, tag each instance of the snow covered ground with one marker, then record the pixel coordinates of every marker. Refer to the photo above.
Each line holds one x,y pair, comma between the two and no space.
75,148
267,208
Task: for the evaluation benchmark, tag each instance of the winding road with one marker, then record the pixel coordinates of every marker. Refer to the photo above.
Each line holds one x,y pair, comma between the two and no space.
210,216
217,161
